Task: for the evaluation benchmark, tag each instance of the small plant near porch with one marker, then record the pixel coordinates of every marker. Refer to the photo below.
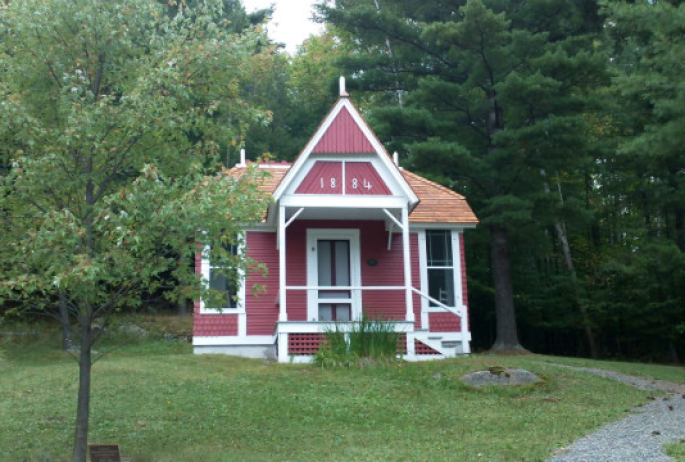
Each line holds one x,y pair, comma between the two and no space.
366,341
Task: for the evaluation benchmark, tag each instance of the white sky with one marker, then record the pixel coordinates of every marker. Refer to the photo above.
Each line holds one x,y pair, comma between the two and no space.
290,23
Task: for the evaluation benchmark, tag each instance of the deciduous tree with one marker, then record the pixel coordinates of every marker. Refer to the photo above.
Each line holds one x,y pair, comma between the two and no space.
110,113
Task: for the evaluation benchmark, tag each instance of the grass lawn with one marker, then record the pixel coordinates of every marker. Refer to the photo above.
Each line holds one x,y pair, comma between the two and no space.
159,402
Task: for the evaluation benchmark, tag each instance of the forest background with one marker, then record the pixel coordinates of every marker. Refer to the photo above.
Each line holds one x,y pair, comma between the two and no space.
561,121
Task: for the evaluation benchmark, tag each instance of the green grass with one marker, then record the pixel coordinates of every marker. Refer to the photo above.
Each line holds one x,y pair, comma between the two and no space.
676,450
161,403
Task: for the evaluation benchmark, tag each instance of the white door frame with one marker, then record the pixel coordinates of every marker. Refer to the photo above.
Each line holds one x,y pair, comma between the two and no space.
351,235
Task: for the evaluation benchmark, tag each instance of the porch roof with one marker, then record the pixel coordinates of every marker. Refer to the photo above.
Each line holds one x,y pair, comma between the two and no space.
437,204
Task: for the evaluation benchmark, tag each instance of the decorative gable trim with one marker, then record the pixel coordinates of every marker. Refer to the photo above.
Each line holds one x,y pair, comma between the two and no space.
345,118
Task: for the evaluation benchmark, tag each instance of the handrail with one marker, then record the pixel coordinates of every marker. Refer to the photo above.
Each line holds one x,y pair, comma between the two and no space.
455,311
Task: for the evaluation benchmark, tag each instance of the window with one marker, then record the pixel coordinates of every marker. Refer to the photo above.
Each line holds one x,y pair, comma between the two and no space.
440,266
223,280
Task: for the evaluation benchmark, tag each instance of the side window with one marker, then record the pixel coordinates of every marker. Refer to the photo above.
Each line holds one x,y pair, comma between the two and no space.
219,282
440,266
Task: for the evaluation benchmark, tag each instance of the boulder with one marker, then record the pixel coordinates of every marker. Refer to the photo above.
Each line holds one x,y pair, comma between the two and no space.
500,376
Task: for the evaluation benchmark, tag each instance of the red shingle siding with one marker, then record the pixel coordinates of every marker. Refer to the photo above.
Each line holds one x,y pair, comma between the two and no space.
444,322
211,325
344,137
262,310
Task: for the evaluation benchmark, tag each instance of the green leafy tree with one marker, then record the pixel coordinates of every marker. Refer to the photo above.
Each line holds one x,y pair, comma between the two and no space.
296,91
109,111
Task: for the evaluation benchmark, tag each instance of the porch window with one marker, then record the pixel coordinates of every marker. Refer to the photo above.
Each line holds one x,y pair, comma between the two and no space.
440,266
219,281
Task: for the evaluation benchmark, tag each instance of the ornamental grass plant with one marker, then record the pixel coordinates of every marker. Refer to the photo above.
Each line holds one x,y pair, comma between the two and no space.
366,341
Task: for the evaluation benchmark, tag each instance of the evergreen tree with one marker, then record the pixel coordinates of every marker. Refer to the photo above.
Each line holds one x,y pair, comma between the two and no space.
495,93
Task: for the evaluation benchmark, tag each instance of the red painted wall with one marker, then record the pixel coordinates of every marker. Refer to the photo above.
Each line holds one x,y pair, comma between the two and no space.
361,178
343,136
296,271
323,178
373,242
261,307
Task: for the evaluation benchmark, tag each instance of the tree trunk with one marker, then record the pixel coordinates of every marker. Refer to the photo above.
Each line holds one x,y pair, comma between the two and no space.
589,334
507,333
560,229
67,340
395,70
182,302
674,353
83,406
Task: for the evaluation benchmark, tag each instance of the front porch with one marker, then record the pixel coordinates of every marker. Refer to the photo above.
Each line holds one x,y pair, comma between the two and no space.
298,341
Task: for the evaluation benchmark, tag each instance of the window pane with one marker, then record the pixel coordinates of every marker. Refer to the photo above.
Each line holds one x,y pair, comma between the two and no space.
441,285
219,282
342,263
439,247
338,312
324,262
342,313
325,312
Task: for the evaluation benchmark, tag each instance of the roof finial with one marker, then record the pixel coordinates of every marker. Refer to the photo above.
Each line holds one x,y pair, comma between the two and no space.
396,158
242,158
342,87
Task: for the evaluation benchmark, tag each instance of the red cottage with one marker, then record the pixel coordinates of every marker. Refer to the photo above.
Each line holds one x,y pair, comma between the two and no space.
347,234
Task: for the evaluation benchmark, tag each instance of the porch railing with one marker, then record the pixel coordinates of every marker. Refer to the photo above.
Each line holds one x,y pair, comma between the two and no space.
459,312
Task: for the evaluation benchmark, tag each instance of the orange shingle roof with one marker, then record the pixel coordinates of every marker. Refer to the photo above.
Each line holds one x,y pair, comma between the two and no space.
437,204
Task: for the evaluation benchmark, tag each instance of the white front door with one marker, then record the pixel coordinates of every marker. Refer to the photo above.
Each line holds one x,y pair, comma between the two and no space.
333,267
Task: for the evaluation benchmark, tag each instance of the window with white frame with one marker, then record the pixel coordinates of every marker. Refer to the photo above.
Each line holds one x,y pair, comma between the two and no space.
222,277
440,266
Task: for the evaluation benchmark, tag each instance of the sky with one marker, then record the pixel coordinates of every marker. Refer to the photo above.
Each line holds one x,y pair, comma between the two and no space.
290,23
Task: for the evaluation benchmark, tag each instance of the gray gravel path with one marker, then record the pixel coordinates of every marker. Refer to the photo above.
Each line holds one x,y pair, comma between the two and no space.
638,437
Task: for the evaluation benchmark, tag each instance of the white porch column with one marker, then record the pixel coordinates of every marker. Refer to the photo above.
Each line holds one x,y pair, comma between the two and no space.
407,264
283,314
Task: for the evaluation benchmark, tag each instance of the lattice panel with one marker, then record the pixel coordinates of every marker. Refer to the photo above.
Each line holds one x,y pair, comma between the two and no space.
421,348
304,344
402,344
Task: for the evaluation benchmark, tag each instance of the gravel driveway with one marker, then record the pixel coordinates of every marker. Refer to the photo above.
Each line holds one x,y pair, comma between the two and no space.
638,437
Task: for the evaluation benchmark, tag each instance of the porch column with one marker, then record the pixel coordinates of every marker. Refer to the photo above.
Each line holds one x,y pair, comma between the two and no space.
283,314
407,264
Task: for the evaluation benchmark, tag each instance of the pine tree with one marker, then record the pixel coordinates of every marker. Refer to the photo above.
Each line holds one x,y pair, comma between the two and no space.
494,95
